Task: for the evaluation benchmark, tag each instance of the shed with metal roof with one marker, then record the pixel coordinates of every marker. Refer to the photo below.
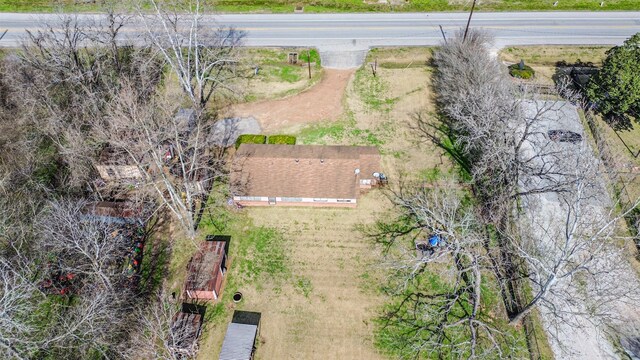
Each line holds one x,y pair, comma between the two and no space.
240,339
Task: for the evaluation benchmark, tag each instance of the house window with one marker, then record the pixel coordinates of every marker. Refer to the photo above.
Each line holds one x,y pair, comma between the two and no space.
320,200
291,199
344,200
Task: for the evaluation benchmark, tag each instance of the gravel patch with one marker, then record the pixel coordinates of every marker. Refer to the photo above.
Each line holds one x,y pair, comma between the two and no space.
226,131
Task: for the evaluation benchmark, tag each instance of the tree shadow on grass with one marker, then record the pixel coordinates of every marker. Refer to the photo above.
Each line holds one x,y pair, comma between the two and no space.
433,128
156,258
635,154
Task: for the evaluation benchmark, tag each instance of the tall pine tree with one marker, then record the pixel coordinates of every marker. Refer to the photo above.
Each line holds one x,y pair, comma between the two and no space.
616,88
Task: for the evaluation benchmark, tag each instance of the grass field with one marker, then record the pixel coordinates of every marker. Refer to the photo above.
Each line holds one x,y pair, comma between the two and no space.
276,78
318,6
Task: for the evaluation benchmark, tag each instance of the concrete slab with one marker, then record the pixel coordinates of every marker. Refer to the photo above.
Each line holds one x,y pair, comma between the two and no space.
226,131
342,57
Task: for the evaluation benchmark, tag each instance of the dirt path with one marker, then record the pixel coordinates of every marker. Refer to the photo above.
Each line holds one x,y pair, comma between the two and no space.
321,102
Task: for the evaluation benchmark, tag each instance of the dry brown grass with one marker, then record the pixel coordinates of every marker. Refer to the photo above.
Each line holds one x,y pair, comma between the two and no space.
328,252
324,309
276,78
549,55
404,152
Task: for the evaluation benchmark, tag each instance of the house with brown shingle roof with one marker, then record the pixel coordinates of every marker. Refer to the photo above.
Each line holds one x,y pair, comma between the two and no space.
303,175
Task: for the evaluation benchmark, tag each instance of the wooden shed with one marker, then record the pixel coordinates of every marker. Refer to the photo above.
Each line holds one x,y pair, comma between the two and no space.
207,268
185,330
121,212
114,165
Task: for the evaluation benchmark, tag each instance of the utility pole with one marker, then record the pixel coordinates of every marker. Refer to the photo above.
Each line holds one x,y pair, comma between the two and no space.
469,21
309,62
442,31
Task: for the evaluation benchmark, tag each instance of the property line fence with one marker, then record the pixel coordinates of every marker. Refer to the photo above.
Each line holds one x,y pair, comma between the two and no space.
618,177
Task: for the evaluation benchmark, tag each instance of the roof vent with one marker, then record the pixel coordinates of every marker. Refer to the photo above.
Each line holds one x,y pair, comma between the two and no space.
322,161
357,171
297,160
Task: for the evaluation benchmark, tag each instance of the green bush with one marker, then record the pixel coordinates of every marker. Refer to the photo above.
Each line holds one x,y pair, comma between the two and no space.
282,139
250,139
526,73
315,56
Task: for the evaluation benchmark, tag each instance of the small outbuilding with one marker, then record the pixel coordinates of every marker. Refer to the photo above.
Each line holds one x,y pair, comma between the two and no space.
185,330
240,339
126,221
207,268
121,212
304,175
114,165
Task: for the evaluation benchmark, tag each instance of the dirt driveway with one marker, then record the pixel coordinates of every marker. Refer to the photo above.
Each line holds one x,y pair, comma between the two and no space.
321,102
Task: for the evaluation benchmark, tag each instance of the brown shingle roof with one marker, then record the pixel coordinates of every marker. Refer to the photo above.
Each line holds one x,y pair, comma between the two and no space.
307,171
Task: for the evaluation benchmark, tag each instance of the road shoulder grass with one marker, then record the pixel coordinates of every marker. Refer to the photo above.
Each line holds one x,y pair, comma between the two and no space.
342,6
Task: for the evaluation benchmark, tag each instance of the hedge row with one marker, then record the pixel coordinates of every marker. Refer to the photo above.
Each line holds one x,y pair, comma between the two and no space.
251,139
262,139
282,139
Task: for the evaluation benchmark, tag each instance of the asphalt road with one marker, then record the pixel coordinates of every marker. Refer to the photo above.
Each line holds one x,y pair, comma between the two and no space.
357,32
399,29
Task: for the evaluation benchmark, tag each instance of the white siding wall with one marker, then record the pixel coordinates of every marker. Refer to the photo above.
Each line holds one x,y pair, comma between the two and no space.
291,199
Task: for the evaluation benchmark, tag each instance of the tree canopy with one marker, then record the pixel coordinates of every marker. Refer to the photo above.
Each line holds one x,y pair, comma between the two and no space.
616,88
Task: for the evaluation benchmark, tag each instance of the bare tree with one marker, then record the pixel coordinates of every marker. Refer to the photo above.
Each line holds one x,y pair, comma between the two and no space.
449,320
160,338
88,108
84,244
87,254
171,148
490,121
36,325
202,60
568,238
17,304
67,72
204,63
545,198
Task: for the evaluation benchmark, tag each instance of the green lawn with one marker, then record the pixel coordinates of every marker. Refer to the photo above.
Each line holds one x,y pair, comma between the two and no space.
319,6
